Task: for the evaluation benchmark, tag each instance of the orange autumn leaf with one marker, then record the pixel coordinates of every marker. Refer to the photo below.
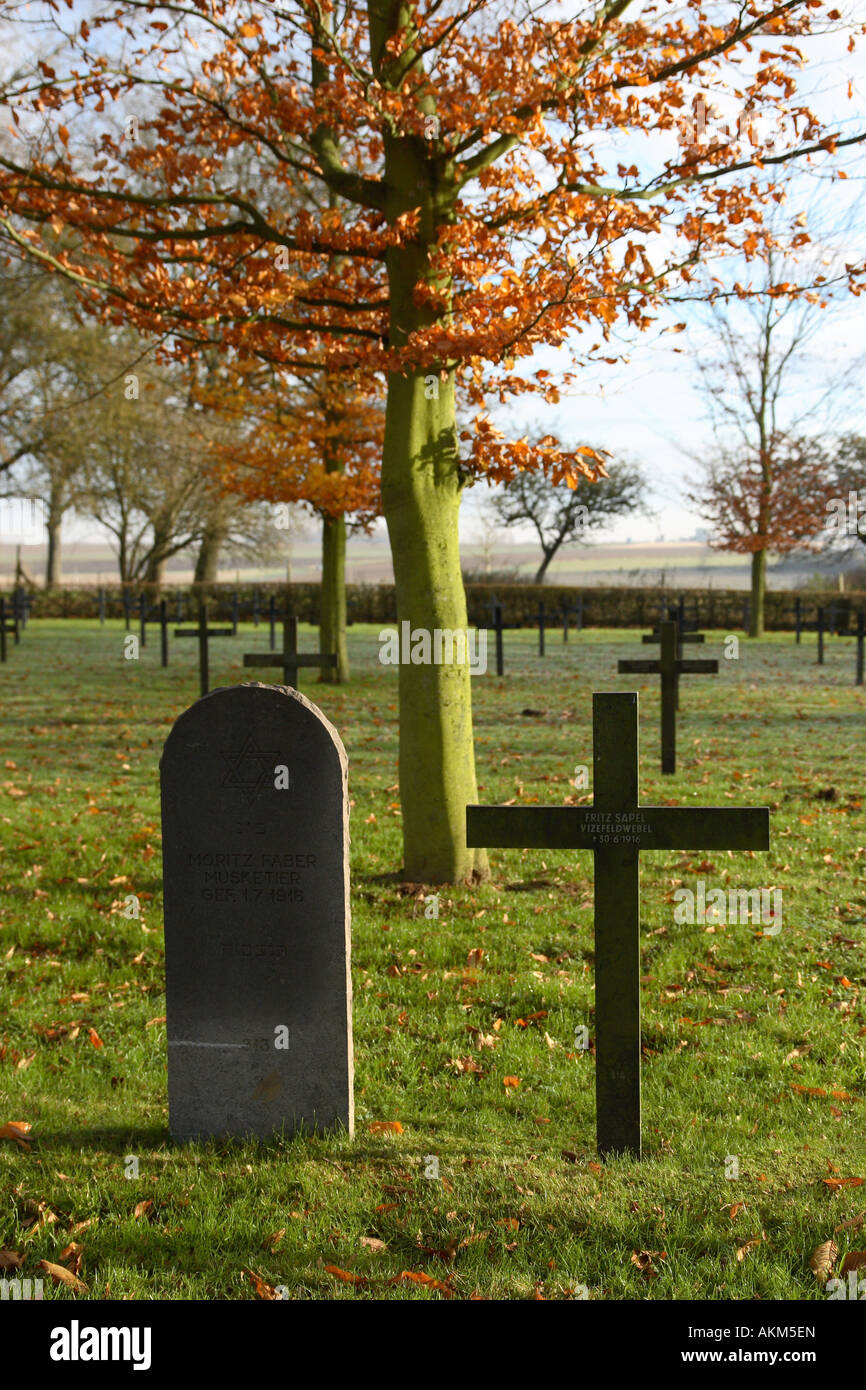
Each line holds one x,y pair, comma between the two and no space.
409,1276
385,1127
17,1131
510,1081
843,1182
63,1276
95,1038
263,1289
345,1275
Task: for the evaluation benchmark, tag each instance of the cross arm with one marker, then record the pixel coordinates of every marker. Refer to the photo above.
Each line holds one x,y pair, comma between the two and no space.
638,667
653,637
710,667
705,827
528,827
644,827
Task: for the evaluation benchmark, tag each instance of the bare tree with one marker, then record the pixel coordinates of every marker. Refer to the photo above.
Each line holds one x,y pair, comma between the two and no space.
765,390
561,515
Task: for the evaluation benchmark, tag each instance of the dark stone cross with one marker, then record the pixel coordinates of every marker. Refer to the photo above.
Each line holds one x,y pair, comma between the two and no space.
290,658
497,627
203,632
617,829
7,625
669,666
567,610
683,635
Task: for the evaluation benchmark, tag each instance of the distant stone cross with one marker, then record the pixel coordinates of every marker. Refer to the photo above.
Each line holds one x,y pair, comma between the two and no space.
653,638
617,828
203,632
7,625
670,666
291,658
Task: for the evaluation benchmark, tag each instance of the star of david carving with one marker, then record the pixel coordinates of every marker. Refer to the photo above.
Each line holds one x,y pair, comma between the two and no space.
250,770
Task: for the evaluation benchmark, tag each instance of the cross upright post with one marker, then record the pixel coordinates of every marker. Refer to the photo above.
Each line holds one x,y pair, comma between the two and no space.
235,614
127,607
670,667
203,632
617,828
7,625
496,624
255,607
272,620
820,637
142,618
163,632
653,637
798,619
101,607
290,658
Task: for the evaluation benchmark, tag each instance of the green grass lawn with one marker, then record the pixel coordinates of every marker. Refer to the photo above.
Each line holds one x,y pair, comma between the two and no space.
464,1023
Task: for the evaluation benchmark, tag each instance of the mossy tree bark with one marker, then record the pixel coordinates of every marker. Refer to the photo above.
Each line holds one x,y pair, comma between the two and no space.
421,492
759,585
332,603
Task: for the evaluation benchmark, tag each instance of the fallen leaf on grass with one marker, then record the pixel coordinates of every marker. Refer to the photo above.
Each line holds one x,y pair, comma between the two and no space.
853,1224
855,1259
71,1256
63,1276
750,1245
345,1275
510,1081
408,1276
843,1182
152,1022
17,1131
271,1242
373,1243
734,1208
39,1214
511,1222
644,1261
10,1259
823,1259
144,1208
385,1127
263,1289
95,1038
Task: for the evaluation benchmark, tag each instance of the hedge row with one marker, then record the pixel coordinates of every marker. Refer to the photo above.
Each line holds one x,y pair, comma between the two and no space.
376,603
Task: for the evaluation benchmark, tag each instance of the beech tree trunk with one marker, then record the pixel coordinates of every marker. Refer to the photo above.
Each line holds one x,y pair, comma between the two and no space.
52,558
759,585
421,490
332,601
207,560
